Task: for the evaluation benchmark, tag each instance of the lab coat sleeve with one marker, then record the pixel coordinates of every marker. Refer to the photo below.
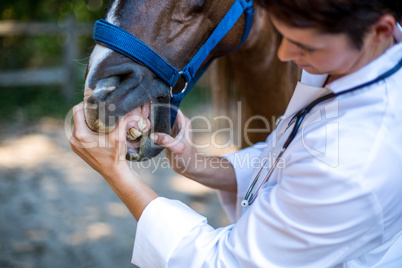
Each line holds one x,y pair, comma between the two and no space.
306,221
242,162
160,229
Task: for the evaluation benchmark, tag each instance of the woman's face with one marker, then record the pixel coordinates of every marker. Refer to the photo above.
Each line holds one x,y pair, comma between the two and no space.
319,53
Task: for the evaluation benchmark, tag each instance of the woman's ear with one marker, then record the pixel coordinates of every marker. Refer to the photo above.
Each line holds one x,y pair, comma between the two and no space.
384,28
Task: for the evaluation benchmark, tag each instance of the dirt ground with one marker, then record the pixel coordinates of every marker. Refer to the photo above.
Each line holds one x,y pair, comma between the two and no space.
55,211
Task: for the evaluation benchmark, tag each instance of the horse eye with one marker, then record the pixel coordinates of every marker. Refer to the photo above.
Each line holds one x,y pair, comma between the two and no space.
197,6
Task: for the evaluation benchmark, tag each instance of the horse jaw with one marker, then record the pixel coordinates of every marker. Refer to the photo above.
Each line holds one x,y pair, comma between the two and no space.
109,99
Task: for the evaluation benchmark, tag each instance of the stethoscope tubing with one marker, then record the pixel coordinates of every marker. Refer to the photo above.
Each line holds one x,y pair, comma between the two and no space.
298,120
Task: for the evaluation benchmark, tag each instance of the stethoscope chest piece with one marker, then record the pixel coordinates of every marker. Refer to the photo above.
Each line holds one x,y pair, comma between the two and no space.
244,203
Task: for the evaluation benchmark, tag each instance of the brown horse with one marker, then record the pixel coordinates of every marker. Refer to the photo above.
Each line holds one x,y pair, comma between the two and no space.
252,81
116,85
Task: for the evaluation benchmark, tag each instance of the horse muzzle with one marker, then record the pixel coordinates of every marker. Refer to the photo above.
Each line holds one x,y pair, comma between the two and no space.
117,96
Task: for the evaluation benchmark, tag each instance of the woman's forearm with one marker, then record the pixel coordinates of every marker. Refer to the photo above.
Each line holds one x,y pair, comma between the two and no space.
215,172
131,190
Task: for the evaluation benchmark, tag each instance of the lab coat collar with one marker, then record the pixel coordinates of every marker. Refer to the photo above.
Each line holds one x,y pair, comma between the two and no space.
305,92
398,33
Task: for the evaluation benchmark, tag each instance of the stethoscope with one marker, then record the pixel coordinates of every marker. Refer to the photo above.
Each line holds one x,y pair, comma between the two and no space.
251,195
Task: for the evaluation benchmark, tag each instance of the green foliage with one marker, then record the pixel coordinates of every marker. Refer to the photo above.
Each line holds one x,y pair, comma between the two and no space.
198,95
52,10
23,104
32,52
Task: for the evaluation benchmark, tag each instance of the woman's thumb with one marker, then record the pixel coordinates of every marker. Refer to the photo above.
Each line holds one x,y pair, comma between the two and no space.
167,141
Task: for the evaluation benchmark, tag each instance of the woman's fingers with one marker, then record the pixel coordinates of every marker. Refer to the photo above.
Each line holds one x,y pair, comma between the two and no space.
81,132
173,144
176,143
180,125
84,137
78,113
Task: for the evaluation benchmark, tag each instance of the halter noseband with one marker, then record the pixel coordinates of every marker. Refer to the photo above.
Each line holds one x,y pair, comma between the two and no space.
125,43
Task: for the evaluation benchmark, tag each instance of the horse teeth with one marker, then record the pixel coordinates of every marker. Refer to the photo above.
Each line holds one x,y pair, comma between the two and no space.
135,133
142,124
129,137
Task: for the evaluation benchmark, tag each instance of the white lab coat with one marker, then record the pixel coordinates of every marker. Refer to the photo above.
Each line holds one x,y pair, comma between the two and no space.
334,201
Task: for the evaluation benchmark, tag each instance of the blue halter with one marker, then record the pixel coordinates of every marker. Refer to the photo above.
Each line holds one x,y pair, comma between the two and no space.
125,43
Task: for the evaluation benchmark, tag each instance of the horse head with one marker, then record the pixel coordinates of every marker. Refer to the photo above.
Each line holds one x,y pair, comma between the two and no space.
176,31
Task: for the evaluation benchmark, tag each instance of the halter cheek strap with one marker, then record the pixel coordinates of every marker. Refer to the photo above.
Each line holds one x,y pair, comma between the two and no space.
125,43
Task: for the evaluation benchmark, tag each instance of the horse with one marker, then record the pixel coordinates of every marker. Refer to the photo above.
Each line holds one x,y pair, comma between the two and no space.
175,32
252,86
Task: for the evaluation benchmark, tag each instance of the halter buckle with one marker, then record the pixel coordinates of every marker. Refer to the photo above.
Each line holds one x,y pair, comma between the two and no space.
184,88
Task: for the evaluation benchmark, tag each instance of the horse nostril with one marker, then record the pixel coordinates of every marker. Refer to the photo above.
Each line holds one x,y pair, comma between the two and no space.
119,81
108,84
130,73
104,88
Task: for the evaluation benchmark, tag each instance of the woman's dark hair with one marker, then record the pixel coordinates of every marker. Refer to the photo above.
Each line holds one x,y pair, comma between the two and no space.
352,17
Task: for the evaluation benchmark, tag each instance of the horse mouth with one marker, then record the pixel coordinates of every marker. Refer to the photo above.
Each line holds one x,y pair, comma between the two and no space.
140,122
139,127
135,96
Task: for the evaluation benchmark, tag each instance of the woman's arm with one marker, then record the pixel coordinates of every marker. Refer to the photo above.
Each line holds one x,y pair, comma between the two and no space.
214,172
106,154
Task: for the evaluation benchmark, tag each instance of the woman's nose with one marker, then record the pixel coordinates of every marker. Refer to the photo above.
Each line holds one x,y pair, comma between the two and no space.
288,51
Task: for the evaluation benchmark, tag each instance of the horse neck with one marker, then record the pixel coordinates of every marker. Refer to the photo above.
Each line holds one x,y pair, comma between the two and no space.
254,76
261,45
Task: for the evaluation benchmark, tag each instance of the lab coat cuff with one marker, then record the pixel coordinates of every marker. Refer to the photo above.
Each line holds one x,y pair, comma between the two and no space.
162,225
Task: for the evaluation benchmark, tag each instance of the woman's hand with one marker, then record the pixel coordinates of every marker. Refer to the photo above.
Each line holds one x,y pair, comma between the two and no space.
214,172
106,153
103,152
180,151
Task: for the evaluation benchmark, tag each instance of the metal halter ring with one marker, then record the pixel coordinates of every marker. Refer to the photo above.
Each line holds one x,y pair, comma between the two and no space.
182,91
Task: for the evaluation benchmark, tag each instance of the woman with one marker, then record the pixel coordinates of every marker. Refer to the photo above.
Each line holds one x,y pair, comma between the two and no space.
335,199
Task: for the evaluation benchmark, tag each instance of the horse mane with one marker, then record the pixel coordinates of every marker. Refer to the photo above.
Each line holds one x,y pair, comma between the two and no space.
252,85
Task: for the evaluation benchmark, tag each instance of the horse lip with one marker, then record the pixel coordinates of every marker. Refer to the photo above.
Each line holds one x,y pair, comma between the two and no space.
97,125
145,150
126,97
103,116
151,120
145,118
92,119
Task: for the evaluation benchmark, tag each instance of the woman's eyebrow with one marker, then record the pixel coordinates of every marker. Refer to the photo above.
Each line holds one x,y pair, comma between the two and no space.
300,44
